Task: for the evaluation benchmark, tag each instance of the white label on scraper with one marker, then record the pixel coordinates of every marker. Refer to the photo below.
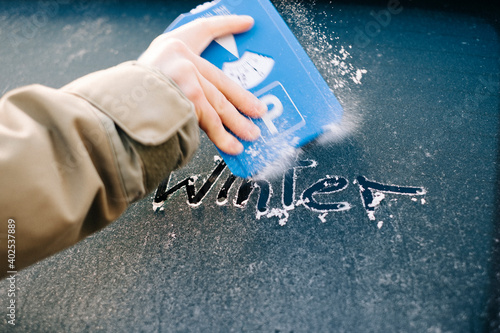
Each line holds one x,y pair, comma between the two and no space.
250,70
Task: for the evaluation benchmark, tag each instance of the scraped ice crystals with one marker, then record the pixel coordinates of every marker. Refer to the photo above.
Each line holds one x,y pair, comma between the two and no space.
332,60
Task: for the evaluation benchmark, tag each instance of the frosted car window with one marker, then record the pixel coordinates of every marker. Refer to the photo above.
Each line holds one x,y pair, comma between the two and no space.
389,226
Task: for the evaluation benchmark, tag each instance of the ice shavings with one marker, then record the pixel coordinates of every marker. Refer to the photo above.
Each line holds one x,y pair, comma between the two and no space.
322,46
302,202
356,77
373,193
192,182
158,206
377,199
282,214
332,59
285,155
252,152
339,131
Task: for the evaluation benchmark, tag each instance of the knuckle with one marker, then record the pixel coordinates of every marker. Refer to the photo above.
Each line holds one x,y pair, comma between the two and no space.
222,79
221,103
214,122
203,22
196,94
211,123
185,68
186,65
175,45
207,25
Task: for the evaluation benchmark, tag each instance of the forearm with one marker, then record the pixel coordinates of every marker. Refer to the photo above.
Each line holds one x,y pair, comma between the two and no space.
73,159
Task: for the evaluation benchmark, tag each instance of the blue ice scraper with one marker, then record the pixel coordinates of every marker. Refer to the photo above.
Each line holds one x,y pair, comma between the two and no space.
269,62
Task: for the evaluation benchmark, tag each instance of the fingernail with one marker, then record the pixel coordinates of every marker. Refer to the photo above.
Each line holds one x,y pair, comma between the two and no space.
261,107
247,17
255,131
238,147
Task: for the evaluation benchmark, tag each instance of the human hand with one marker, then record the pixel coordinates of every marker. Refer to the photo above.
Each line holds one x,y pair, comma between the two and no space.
216,97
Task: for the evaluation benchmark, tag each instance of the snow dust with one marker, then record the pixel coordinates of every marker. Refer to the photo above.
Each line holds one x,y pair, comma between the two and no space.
334,62
286,154
332,59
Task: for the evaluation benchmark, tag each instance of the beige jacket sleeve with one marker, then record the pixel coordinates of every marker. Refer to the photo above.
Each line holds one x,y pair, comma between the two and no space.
73,159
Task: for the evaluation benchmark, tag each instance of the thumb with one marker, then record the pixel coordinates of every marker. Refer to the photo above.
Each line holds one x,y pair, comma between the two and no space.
198,34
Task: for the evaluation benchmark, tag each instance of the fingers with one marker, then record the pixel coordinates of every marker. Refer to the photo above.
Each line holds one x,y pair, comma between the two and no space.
218,100
186,42
215,113
242,99
229,115
213,110
224,98
200,33
210,120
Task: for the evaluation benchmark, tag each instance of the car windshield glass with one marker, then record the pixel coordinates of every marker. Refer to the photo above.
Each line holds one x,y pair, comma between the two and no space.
388,223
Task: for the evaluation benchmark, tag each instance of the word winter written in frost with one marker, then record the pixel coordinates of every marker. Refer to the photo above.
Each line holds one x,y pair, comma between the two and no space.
371,193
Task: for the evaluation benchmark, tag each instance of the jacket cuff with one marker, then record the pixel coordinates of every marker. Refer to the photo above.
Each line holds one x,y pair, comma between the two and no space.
154,118
145,104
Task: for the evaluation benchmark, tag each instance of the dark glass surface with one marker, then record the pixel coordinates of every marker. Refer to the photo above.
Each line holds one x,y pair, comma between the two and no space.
417,249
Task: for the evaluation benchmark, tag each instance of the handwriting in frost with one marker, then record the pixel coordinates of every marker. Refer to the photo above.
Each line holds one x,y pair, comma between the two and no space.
372,193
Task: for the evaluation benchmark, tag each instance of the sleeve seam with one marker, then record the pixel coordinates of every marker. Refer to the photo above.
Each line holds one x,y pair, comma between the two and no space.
97,115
